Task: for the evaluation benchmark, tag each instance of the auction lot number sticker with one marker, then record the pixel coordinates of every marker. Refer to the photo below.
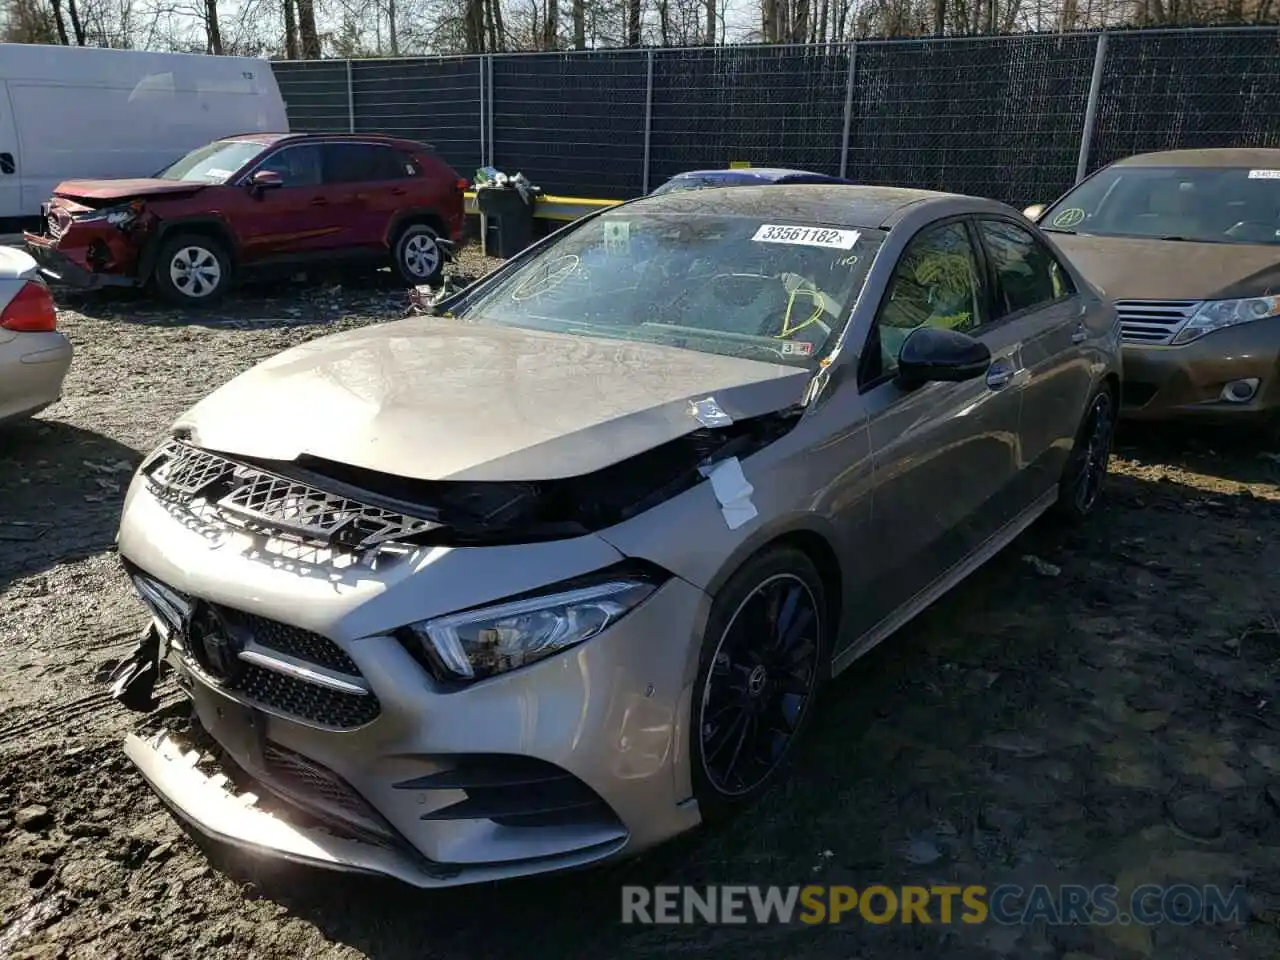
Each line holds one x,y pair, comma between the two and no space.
807,236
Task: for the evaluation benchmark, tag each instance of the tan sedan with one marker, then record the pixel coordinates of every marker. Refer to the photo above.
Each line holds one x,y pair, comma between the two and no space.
1187,244
34,356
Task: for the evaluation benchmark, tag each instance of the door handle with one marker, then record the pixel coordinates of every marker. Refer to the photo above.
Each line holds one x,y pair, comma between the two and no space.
319,202
398,192
999,376
1080,336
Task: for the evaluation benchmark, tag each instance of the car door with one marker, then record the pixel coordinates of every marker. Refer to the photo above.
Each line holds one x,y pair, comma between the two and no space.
295,221
1035,297
944,454
367,181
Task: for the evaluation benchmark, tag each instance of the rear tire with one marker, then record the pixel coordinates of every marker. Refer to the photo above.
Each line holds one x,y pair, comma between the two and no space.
1085,474
418,255
765,658
192,270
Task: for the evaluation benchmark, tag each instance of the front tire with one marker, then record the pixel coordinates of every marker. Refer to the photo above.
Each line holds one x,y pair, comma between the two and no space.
765,657
418,255
192,270
1085,474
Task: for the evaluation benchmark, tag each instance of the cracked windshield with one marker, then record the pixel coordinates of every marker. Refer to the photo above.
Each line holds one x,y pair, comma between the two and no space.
737,286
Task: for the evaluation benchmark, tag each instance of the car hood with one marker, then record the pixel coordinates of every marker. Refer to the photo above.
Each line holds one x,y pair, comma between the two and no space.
1128,268
123,189
437,399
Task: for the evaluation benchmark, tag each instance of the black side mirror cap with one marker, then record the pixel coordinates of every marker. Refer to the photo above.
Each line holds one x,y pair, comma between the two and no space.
935,354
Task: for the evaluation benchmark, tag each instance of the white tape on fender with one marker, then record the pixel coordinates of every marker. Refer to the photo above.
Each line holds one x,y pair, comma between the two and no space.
732,491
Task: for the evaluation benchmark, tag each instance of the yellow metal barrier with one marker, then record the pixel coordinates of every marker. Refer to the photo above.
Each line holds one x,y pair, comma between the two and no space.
564,209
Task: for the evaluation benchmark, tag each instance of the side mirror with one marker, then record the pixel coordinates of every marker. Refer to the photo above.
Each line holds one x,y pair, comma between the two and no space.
1034,212
934,354
265,180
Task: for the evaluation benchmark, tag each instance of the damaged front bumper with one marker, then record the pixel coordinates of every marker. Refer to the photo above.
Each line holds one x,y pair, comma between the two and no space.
63,268
565,762
213,806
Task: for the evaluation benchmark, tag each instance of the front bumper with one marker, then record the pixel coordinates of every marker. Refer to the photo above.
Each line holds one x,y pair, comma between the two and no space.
1166,383
70,267
570,761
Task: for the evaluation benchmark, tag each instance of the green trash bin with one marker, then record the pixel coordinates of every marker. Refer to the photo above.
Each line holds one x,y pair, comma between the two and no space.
513,216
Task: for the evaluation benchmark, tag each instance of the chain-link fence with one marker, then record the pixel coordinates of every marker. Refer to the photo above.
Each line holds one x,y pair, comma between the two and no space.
1018,118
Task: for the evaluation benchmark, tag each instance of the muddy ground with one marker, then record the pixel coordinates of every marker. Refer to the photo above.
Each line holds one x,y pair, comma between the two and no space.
1103,713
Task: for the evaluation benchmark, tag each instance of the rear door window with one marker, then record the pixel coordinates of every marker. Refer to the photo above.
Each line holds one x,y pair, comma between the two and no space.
365,163
1027,274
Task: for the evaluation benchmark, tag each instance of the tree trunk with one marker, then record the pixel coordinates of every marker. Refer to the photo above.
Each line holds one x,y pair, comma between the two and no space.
579,24
393,28
211,27
664,22
60,23
77,27
551,26
940,17
474,23
709,38
769,17
633,22
800,24
290,32
307,32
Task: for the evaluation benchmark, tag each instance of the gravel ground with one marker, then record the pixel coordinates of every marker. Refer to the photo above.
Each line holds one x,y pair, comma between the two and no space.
1096,706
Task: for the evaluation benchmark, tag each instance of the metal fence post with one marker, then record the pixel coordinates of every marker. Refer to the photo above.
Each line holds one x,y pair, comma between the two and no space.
648,119
1091,107
484,119
351,101
488,87
848,110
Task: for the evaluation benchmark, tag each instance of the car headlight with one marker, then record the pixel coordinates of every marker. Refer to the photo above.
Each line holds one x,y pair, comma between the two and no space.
119,216
1216,314
488,640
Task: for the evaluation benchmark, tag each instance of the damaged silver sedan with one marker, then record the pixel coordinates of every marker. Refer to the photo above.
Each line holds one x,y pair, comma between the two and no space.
559,572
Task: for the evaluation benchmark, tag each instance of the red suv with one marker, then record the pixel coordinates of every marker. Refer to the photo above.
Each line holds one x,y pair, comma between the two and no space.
254,203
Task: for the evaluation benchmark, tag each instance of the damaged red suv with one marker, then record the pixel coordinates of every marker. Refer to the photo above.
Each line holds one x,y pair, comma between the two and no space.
254,204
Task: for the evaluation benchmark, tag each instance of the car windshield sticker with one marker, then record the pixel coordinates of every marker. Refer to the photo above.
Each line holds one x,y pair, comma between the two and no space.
617,236
807,236
220,173
1069,217
797,348
1264,174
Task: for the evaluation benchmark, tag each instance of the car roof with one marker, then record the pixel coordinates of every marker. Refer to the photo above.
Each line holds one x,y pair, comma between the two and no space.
848,205
1218,157
755,173
273,138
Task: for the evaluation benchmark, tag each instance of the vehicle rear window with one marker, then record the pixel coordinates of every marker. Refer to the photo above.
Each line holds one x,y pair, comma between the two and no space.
752,287
365,162
1209,204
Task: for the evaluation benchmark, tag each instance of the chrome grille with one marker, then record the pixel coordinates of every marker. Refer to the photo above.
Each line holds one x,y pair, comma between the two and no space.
265,502
273,684
1153,322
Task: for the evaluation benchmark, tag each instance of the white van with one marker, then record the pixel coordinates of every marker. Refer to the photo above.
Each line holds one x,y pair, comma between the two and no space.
89,113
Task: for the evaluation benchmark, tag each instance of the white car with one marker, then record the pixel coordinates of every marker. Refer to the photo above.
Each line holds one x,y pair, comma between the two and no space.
34,356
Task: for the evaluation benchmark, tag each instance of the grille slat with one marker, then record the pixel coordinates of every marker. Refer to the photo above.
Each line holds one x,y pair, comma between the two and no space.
282,694
1154,322
265,502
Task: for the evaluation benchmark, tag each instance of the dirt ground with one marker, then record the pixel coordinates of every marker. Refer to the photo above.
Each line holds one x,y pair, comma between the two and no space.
1095,706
